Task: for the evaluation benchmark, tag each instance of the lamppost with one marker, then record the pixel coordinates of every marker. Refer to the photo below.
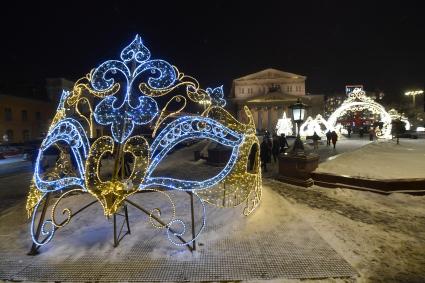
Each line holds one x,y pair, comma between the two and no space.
295,167
413,95
298,113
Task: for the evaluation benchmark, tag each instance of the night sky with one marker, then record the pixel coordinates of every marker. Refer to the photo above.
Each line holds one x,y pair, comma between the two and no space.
333,43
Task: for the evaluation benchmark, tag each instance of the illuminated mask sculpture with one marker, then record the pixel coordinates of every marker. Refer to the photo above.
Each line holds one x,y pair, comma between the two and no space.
138,94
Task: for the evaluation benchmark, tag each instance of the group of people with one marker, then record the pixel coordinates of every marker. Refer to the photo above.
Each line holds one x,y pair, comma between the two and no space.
272,147
331,136
372,132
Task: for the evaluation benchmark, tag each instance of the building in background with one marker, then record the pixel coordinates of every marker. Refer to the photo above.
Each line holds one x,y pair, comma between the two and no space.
23,119
26,117
268,94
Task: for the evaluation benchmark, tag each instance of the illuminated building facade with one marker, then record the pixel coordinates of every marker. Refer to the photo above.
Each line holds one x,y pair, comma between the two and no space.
269,93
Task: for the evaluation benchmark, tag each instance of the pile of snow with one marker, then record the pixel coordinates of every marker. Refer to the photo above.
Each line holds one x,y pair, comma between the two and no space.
380,160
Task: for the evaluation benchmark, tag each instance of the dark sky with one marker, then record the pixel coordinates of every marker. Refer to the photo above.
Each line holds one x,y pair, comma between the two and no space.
377,43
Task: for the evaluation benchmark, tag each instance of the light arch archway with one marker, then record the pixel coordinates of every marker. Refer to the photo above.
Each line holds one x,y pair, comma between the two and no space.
358,101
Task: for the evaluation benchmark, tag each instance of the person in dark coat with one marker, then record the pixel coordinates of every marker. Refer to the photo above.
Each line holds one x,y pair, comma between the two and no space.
334,138
328,138
371,133
252,155
316,139
349,131
275,147
264,153
283,143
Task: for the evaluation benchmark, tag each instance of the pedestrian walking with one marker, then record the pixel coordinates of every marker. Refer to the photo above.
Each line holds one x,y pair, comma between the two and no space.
316,139
349,131
264,153
275,147
283,143
334,138
371,133
361,132
328,138
252,155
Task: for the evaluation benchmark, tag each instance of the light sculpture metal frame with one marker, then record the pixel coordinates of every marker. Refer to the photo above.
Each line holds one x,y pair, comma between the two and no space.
358,101
123,96
314,125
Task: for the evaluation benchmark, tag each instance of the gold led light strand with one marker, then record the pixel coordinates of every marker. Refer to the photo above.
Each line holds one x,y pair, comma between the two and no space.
88,119
163,116
232,186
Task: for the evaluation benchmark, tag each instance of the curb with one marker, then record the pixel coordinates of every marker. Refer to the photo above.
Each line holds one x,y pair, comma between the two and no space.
415,186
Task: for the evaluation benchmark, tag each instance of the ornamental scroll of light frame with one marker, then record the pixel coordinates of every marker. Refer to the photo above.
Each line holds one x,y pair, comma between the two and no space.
137,92
358,101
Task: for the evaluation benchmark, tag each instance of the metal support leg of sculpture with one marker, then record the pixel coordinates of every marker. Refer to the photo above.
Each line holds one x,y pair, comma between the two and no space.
193,221
35,247
190,247
119,236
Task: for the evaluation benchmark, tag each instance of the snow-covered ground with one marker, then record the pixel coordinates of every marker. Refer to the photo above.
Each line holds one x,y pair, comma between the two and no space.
381,160
382,237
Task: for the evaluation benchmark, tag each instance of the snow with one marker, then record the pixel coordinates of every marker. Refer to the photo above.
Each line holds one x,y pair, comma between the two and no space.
380,160
382,237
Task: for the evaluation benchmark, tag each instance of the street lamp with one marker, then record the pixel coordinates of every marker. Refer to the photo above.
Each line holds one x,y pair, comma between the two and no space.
413,95
296,167
298,113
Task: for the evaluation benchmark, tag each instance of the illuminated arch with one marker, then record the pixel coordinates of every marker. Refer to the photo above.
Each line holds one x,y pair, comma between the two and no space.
358,101
314,125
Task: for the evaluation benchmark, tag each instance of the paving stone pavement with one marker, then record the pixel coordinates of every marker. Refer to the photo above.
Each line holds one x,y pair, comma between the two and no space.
272,243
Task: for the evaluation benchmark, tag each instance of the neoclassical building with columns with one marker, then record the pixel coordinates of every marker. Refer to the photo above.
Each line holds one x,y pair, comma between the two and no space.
269,93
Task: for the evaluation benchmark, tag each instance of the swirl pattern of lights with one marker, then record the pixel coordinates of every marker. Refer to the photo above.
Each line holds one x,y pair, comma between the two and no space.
126,97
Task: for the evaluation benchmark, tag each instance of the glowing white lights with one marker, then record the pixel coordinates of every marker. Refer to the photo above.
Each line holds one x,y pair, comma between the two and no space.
125,106
284,125
318,125
358,101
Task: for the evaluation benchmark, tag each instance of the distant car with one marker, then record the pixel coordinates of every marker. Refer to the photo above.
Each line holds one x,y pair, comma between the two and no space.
8,151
